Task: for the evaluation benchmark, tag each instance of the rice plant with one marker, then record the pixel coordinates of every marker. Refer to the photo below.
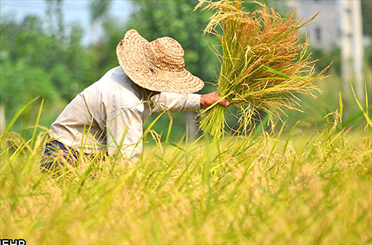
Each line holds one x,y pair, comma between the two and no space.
267,189
264,65
263,188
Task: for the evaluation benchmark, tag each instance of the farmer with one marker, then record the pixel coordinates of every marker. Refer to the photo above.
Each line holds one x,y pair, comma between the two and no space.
109,115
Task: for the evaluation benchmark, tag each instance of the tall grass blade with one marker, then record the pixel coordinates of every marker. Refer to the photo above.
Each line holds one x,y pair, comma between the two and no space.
16,116
341,105
365,113
289,137
36,124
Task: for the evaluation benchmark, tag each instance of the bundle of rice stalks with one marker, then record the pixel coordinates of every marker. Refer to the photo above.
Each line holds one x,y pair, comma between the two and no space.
263,63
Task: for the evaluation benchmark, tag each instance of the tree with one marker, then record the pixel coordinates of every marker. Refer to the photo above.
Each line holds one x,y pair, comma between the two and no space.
21,74
99,10
36,63
367,17
55,21
367,27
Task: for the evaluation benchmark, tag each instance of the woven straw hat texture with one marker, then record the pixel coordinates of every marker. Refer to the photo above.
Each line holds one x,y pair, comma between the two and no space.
158,65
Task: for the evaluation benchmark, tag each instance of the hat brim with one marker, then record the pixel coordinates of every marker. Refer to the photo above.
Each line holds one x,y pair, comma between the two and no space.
131,54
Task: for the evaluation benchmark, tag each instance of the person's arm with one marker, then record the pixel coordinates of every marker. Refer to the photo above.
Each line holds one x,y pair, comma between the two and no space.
175,102
185,102
206,100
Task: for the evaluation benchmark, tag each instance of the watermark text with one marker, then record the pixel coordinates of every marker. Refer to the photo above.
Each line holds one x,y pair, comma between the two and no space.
12,242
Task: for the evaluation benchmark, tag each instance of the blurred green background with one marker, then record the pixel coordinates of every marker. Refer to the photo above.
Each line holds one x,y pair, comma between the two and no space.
46,56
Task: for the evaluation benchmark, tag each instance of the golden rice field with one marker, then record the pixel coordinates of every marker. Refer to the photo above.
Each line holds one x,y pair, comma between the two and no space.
291,187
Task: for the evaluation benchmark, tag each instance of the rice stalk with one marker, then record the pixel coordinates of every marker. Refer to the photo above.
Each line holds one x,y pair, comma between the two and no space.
264,65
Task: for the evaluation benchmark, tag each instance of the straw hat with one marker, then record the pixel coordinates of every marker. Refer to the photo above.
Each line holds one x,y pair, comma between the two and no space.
157,65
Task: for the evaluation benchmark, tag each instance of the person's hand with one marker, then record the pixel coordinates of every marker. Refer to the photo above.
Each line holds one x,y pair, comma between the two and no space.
207,100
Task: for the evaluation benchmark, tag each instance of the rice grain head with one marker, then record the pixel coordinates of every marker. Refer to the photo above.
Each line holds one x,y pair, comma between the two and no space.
264,65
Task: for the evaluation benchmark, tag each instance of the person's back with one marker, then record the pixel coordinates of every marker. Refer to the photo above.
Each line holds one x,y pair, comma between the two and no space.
89,121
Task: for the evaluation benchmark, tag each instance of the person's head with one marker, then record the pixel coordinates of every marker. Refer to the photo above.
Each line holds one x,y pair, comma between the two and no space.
157,66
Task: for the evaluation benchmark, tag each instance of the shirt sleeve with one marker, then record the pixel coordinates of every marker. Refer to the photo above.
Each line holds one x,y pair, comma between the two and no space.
124,131
175,102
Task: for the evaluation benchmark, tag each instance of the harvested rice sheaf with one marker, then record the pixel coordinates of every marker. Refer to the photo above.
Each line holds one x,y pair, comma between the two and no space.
264,65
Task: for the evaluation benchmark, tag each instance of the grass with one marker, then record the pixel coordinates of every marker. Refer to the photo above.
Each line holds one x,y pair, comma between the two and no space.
262,188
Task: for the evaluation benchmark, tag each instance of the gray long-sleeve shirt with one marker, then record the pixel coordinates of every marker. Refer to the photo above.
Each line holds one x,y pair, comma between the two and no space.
111,113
